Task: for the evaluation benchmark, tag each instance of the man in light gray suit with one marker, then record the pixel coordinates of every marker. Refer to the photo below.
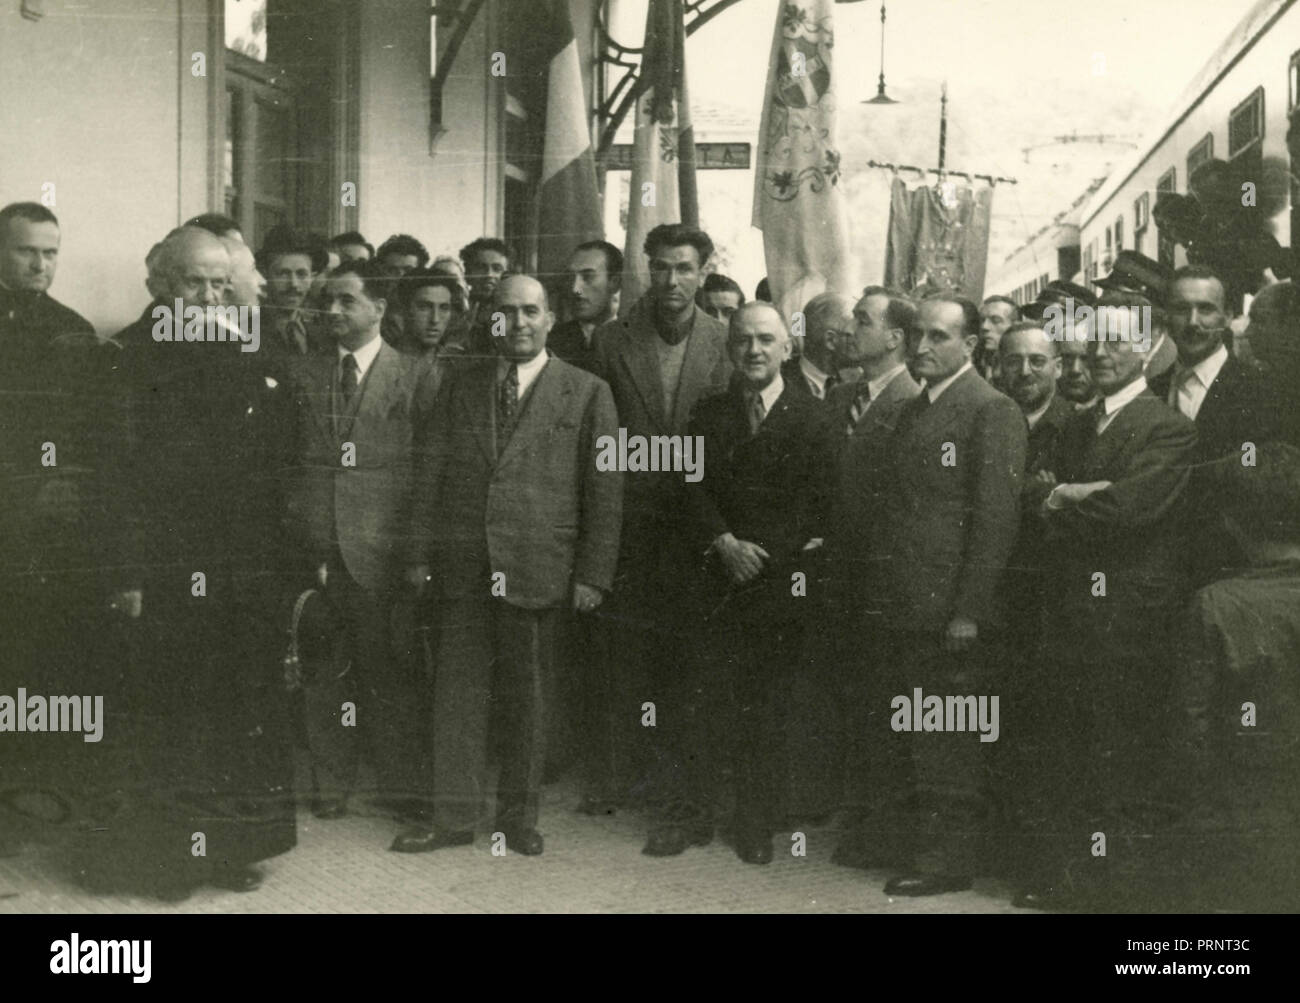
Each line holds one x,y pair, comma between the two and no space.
359,410
861,417
513,522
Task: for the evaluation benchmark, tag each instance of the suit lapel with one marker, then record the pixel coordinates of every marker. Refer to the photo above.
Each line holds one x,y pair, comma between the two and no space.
478,405
380,387
642,364
542,408
320,390
697,368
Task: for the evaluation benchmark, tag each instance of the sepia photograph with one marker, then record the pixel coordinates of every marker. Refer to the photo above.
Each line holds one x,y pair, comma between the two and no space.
650,457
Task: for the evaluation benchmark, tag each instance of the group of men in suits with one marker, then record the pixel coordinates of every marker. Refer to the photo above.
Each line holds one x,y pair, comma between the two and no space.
876,514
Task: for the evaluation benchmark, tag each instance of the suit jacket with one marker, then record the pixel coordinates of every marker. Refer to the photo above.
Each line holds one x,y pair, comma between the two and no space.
1133,531
855,504
770,488
542,513
365,507
946,531
1236,409
625,354
566,342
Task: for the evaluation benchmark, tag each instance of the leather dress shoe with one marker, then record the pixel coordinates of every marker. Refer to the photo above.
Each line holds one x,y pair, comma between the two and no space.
527,841
328,808
236,879
671,840
424,840
754,847
917,885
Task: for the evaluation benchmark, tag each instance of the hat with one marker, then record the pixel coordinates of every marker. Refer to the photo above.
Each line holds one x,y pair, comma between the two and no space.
314,641
1134,272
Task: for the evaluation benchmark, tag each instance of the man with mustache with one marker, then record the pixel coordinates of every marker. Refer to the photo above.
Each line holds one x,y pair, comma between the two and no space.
1116,533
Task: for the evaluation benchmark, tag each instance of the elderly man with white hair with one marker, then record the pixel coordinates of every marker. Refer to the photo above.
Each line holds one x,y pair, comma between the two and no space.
200,571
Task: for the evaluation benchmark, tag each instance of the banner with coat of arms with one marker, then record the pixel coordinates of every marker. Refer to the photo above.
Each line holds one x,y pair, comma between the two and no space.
798,202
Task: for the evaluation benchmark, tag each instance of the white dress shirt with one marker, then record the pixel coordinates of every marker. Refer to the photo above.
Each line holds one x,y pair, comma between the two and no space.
815,377
365,356
877,386
770,393
1118,399
1188,389
933,392
527,371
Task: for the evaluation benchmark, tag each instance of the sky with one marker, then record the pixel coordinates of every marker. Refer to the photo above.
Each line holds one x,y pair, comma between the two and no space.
1019,73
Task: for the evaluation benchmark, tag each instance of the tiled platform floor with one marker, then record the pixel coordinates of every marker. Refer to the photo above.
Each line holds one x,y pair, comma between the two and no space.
591,865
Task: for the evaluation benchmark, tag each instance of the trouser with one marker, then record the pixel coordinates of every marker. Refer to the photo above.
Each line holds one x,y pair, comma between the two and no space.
754,667
1098,791
607,716
947,818
369,696
492,659
877,761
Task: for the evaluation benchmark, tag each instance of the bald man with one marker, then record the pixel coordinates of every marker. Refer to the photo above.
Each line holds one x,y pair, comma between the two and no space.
828,319
514,522
201,567
756,514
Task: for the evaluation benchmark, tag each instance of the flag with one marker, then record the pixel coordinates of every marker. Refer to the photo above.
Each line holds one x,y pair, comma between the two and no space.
938,238
798,203
569,207
663,145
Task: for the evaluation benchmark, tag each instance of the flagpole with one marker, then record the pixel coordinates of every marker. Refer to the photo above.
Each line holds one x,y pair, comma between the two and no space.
943,124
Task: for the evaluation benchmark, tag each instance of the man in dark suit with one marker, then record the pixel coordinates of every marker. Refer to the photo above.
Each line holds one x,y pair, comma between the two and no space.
592,281
659,361
514,522
1029,366
755,515
860,419
52,634
1116,533
1228,401
816,370
348,496
948,518
291,261
201,568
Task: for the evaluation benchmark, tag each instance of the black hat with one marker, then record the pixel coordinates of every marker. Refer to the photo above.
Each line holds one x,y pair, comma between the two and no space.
1134,272
282,239
315,641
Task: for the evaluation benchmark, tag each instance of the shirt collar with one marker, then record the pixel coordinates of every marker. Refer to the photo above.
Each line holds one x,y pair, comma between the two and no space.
365,355
1034,417
877,386
1123,396
769,394
934,391
526,371
813,373
1208,368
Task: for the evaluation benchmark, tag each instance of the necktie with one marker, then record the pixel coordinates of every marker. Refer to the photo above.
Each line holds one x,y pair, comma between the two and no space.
297,331
1098,415
350,379
861,402
756,412
1183,398
507,407
832,381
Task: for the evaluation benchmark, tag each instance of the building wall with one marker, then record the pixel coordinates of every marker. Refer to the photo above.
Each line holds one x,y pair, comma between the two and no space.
1264,64
1023,275
100,101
